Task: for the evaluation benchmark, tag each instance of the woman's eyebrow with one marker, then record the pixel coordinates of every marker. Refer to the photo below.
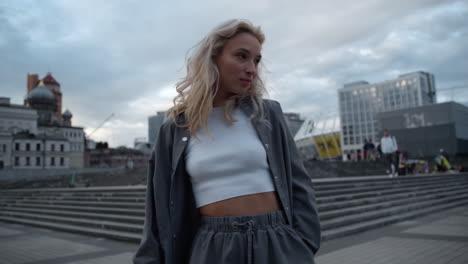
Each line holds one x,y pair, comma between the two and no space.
248,52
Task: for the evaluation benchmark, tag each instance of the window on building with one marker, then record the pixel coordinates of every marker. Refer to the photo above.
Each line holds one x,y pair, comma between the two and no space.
52,161
17,161
28,147
17,146
38,147
38,161
28,160
52,147
62,161
4,147
62,148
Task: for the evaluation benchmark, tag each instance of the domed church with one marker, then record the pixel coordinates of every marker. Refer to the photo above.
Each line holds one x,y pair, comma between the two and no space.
37,135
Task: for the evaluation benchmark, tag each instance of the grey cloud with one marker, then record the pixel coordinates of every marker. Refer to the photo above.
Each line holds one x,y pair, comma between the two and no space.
110,54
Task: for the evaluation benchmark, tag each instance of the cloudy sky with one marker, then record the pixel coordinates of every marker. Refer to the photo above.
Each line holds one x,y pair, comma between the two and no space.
123,57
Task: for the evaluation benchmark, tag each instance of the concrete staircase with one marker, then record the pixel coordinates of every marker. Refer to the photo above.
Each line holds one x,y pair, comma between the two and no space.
346,206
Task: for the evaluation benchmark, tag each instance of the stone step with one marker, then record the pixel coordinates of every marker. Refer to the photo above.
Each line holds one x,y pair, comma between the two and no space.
364,205
79,198
388,190
129,212
99,232
389,211
96,216
321,182
380,222
367,198
99,189
140,205
72,193
345,206
82,222
395,186
135,205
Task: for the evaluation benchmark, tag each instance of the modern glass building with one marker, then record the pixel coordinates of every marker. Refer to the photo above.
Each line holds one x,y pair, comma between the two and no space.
360,101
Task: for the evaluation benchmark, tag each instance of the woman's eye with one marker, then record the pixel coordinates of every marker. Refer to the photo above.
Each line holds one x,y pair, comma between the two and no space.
242,56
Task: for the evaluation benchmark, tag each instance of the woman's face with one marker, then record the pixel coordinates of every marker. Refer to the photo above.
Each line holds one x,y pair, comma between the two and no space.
237,65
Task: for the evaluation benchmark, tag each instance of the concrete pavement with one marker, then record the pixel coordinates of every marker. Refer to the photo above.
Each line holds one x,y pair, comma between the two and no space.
437,238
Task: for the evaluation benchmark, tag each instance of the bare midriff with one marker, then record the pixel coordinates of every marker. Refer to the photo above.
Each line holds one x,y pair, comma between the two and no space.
252,204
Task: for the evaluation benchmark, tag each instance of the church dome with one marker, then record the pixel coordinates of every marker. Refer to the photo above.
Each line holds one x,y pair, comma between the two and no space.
41,95
67,114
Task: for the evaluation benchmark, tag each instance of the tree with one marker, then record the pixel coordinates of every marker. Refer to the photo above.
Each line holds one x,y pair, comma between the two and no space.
102,145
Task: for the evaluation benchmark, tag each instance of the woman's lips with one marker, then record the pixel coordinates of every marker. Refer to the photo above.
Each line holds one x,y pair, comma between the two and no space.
246,81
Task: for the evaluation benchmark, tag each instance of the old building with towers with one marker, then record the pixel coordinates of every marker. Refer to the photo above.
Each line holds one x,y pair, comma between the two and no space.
37,135
52,85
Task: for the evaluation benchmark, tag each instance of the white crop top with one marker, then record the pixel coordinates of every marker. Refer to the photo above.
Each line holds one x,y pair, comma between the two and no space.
228,163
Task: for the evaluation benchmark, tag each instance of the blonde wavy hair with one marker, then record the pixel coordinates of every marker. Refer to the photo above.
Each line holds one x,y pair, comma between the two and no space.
197,90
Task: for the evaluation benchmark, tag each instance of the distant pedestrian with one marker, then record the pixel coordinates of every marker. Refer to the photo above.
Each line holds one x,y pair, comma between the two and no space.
441,163
371,150
364,148
379,151
445,154
389,147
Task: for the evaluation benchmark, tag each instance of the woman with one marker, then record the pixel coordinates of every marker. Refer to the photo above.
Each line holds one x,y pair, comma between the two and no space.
226,184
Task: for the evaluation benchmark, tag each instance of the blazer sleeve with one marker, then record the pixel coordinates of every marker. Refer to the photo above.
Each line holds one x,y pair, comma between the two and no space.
304,205
150,249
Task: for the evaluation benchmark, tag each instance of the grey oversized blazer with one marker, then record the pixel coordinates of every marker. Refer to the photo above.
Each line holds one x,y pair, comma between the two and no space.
172,218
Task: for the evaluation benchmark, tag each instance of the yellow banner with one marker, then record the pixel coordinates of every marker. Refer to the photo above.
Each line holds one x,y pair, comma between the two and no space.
328,146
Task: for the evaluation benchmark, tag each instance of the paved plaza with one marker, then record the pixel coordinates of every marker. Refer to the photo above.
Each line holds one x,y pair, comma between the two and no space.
438,238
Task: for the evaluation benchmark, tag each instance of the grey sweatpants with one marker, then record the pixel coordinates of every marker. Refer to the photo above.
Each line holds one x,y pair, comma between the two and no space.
249,239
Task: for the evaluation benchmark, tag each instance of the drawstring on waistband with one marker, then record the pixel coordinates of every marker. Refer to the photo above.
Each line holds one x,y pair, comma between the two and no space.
248,225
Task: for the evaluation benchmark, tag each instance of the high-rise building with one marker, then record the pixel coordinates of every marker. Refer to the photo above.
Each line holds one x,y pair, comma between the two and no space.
154,123
360,101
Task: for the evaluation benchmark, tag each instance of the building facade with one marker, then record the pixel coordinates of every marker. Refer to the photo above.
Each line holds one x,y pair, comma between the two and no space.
13,119
422,131
16,118
75,138
5,150
359,103
31,151
154,123
121,157
319,140
37,135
